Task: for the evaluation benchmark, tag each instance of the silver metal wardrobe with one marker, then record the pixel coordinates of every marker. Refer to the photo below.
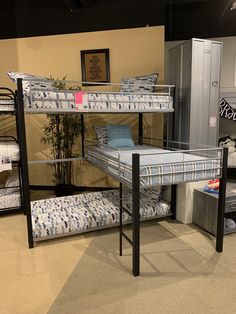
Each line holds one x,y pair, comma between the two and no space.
194,68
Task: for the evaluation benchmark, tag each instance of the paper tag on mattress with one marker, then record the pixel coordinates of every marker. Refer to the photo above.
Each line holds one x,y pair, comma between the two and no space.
5,163
81,101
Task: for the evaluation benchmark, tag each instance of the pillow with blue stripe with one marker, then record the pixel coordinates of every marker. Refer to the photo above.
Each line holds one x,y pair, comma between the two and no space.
119,136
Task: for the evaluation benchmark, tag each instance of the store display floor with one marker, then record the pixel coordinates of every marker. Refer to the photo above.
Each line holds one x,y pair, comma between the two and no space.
181,272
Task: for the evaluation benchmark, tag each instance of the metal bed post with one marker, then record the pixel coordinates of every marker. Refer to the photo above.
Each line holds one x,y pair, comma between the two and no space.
173,201
121,222
24,160
221,204
136,213
82,134
140,128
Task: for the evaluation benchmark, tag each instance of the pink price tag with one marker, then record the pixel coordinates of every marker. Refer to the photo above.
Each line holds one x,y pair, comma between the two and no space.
79,98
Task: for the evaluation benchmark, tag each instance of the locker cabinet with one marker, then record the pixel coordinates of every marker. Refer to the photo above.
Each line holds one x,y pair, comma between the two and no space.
194,68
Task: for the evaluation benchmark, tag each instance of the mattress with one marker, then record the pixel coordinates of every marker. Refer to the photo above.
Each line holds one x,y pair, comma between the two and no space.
59,100
157,166
90,211
7,105
10,149
10,201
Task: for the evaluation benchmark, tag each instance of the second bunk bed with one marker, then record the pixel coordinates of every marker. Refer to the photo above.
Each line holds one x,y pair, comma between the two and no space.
144,169
11,200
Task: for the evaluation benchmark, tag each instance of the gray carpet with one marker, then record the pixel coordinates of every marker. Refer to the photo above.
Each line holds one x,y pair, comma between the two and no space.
102,281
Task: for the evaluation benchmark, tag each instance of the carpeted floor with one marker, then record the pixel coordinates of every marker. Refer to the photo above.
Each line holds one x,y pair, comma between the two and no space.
180,272
175,277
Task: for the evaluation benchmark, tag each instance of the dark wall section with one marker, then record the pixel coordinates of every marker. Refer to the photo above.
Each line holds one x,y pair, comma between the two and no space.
183,18
49,17
204,19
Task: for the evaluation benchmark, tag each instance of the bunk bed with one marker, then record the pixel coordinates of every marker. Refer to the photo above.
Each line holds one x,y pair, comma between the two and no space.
142,167
10,190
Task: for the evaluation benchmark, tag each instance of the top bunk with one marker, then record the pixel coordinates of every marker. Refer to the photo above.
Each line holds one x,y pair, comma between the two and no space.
7,101
60,96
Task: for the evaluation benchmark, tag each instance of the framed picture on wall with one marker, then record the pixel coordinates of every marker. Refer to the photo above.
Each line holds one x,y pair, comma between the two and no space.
95,66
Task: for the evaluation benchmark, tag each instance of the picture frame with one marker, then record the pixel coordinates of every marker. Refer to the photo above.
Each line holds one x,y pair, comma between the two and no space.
95,66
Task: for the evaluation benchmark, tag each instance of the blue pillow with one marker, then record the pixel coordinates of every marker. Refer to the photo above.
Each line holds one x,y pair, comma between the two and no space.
119,136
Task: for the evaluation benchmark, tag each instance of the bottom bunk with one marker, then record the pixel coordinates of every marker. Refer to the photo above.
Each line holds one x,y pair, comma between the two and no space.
61,216
10,196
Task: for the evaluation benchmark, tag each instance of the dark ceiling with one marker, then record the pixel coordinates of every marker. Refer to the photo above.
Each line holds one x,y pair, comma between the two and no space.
183,18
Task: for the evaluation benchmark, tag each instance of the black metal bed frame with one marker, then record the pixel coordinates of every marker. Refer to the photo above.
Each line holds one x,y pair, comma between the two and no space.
8,94
135,214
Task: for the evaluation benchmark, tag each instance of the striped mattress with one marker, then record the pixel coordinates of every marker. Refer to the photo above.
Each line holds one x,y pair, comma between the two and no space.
157,166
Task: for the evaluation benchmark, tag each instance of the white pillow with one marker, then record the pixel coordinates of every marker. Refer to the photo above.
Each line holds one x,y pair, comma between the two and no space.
44,84
139,83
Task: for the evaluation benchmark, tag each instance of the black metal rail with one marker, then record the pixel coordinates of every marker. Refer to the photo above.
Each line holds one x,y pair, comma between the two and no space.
24,160
135,214
221,204
135,242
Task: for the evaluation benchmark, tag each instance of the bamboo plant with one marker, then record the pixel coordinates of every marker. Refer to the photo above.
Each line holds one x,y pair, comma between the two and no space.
61,133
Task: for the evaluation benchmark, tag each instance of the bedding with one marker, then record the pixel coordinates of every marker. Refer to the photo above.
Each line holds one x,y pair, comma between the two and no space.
90,211
101,134
11,185
139,83
157,166
7,105
10,149
119,136
60,100
10,201
31,82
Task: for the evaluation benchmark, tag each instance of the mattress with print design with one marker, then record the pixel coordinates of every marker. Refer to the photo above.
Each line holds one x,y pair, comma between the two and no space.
44,100
85,212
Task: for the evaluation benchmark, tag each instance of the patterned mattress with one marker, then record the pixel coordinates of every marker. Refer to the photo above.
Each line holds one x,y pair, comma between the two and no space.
90,211
10,149
7,105
10,201
157,166
59,100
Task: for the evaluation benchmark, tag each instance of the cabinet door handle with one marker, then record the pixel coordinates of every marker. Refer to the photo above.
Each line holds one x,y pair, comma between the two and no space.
214,83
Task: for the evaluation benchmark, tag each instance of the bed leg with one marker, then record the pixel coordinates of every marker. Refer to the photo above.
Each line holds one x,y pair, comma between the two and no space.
24,161
136,214
82,134
140,128
221,204
121,219
173,201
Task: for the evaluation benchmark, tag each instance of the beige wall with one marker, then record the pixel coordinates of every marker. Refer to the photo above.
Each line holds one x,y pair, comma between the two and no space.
132,52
